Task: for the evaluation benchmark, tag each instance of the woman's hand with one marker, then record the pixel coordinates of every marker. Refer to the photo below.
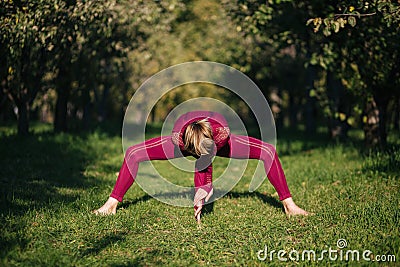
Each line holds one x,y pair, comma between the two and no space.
199,198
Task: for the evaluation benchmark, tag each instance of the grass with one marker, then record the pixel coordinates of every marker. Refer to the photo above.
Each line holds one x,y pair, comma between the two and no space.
51,182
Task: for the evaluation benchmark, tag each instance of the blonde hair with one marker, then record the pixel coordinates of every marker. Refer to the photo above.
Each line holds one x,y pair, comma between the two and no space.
198,138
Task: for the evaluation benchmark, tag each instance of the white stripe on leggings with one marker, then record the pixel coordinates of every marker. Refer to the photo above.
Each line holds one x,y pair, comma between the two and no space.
144,146
248,142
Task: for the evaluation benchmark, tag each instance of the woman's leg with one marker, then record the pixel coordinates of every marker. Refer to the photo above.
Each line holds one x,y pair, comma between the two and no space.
245,147
159,148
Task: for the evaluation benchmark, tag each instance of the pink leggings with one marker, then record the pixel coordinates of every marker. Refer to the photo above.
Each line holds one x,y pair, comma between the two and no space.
238,147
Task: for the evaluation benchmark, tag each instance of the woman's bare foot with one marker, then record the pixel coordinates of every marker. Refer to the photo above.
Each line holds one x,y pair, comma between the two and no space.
292,209
109,208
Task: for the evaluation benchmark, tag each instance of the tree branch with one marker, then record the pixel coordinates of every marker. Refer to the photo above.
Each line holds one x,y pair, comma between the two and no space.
354,15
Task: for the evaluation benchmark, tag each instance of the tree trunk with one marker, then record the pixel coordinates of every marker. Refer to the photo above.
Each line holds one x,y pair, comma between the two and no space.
103,104
87,115
337,128
87,110
371,124
153,115
23,118
60,117
382,104
63,92
293,111
310,105
396,124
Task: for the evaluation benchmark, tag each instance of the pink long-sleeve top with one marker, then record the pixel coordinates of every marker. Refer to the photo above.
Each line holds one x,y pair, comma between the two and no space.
221,132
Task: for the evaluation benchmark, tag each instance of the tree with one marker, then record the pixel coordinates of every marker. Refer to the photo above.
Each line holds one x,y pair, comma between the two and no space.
278,26
363,59
369,57
76,46
24,45
89,35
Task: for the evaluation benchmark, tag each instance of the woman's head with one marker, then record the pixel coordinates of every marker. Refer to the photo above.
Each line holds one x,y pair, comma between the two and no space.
198,138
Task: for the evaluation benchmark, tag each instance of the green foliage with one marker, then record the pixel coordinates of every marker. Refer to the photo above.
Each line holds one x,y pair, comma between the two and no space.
366,56
389,11
79,48
96,54
199,30
356,42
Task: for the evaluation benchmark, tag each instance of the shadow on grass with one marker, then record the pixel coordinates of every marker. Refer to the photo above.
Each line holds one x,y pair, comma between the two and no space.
36,167
149,258
135,262
100,244
265,198
38,171
126,203
209,207
383,161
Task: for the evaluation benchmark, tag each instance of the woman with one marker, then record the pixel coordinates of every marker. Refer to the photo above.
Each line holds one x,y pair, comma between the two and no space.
201,134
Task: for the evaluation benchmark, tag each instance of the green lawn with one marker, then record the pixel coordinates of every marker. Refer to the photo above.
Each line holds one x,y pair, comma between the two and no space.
50,183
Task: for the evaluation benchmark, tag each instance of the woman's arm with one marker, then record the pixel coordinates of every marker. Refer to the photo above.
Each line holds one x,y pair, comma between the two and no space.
203,189
203,178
